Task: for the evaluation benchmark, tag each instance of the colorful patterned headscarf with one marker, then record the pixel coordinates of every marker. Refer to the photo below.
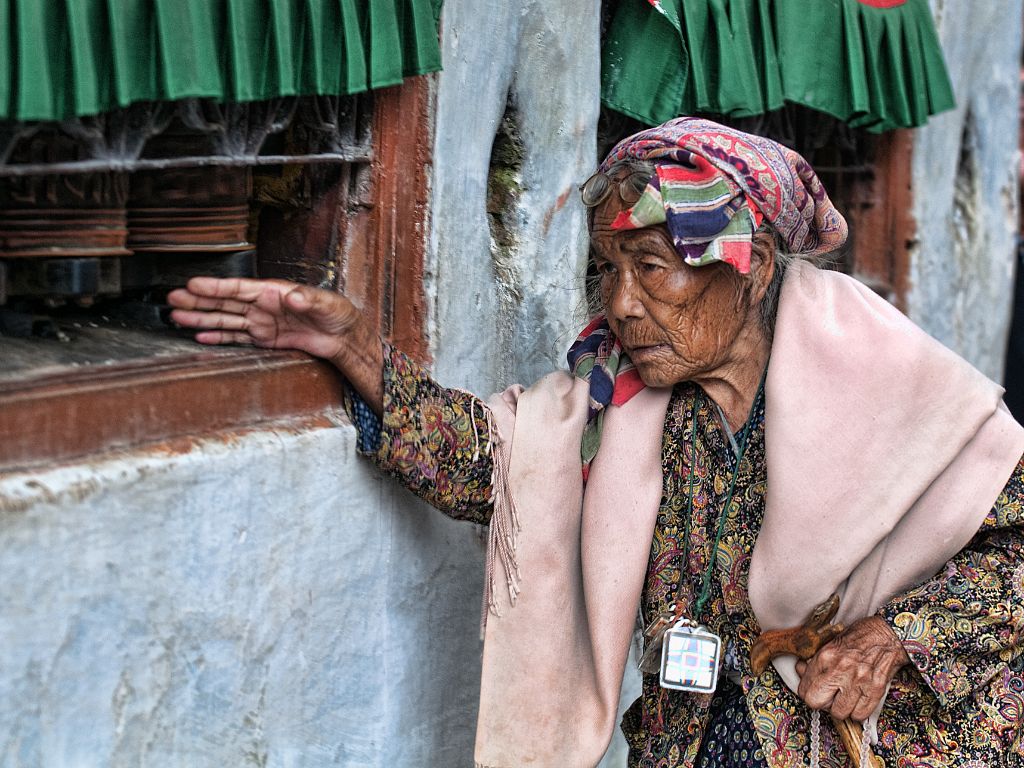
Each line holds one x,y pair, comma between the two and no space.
713,186
707,213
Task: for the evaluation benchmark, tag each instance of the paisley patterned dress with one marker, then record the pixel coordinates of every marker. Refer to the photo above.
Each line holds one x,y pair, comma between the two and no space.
961,701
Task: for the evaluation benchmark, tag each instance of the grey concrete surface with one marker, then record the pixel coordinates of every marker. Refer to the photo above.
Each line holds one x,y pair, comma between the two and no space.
539,61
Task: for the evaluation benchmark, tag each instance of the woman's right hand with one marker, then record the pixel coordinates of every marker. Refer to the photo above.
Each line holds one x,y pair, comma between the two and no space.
276,314
265,313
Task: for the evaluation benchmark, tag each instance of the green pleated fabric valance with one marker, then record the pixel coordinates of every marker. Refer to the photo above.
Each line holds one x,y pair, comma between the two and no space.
875,64
61,58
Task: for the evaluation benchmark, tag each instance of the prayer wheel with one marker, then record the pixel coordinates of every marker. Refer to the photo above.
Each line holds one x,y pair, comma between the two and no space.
62,235
184,221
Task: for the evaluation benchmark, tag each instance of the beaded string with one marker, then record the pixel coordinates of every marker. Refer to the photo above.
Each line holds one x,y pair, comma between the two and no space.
865,747
815,738
864,758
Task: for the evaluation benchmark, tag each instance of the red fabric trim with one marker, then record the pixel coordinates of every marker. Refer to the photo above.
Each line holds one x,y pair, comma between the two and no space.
624,220
882,3
683,173
627,384
737,254
755,212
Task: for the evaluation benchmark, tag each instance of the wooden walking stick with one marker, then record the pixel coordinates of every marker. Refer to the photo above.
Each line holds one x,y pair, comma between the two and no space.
803,642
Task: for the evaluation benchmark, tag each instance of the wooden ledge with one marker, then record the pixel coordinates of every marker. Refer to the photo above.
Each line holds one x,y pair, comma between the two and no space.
56,416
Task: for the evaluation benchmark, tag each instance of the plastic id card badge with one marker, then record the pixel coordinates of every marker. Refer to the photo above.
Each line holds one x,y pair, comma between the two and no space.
690,658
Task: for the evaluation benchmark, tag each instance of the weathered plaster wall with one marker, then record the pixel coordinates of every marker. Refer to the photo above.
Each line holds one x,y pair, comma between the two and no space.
965,186
266,599
262,600
536,64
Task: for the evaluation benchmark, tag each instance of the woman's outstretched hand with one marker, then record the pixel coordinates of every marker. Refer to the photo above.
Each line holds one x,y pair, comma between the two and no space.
276,314
849,675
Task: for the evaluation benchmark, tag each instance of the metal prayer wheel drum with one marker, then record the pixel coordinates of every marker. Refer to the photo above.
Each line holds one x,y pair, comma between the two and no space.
188,210
186,221
61,234
61,215
201,209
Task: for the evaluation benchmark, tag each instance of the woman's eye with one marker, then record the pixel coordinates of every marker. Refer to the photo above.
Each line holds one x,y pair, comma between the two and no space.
606,268
650,267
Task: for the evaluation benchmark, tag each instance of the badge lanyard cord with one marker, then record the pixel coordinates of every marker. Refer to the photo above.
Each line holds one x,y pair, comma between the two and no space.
705,590
674,626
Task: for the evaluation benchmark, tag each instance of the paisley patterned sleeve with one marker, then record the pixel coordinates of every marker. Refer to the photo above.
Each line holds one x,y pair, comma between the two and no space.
966,625
435,441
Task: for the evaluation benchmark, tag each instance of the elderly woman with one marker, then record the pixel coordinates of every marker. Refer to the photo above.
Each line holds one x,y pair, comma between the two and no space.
639,484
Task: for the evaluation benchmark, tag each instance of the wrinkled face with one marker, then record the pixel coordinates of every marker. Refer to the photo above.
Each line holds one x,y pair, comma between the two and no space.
676,322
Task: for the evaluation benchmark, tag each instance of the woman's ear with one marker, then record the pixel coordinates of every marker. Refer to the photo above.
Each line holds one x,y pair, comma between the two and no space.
762,264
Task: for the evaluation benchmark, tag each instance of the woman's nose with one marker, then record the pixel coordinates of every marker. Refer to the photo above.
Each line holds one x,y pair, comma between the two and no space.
624,301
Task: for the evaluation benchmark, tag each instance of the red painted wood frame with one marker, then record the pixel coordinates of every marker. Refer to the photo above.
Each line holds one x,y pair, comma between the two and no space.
50,419
384,244
884,229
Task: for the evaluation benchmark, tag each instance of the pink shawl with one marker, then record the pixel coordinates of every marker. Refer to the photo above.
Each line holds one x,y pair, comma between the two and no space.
885,452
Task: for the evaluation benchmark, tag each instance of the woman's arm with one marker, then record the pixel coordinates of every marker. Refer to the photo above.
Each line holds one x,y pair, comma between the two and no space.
435,441
276,314
965,624
956,629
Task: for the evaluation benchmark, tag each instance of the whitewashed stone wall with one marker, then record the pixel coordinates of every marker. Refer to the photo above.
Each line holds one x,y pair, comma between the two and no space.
538,64
965,176
262,600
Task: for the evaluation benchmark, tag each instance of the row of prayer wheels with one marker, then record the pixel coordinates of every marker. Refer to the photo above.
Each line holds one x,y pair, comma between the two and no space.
103,232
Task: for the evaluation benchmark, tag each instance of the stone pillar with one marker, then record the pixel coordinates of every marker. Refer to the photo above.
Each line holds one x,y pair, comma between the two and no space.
517,108
965,186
